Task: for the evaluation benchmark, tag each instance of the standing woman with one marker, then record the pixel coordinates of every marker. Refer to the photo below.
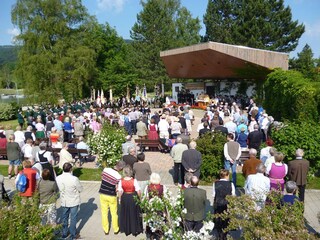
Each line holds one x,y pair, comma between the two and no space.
153,130
67,127
40,129
277,172
221,189
13,154
142,171
130,212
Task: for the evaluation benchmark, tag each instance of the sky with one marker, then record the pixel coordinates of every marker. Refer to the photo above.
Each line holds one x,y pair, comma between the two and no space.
122,14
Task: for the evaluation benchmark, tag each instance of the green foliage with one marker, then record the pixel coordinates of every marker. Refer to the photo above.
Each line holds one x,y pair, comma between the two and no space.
288,95
107,144
161,25
7,111
114,70
22,220
211,148
305,63
8,54
271,222
56,58
253,23
293,135
164,214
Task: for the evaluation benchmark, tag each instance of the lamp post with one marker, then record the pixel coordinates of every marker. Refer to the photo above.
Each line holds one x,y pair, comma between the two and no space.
16,92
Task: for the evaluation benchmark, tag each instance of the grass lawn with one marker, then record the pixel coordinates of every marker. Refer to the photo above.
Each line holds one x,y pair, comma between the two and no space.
11,123
10,91
84,174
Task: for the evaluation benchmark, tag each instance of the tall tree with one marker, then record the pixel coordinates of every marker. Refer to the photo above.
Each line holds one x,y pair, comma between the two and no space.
305,63
114,69
55,60
265,24
161,25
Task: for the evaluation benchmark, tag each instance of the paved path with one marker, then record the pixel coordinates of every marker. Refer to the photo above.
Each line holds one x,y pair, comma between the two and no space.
89,222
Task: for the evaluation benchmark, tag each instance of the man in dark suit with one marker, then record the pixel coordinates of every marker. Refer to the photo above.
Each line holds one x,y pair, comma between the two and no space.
195,203
130,159
298,171
204,130
255,138
191,160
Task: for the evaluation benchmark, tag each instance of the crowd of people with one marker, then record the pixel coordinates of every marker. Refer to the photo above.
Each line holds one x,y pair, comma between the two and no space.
132,177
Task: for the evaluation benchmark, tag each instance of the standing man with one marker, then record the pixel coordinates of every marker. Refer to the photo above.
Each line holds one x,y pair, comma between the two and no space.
250,165
255,138
142,130
298,172
108,196
191,160
176,154
128,144
70,188
195,203
258,186
130,159
232,153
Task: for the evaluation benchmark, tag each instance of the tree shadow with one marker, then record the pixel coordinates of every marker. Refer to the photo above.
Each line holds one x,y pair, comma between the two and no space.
86,211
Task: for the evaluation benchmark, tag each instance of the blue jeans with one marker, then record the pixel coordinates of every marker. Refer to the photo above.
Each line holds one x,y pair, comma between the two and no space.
233,167
73,212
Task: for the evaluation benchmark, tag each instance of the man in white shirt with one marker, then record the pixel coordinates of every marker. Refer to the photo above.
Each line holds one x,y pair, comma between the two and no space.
65,156
163,127
70,188
258,186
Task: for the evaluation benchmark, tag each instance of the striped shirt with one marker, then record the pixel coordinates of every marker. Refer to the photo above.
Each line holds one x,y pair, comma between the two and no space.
110,178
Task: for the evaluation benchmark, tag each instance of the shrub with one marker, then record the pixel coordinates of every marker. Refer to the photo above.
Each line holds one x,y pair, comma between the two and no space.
7,111
211,148
293,135
288,95
22,220
107,144
271,222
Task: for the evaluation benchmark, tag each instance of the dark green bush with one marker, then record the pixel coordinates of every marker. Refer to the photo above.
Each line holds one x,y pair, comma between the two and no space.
293,135
288,95
7,111
21,220
211,148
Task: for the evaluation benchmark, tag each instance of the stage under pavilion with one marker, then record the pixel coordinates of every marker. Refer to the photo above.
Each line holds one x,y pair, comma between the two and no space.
213,64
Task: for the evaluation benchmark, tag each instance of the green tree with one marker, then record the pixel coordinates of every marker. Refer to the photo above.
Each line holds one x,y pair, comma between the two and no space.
114,69
261,24
161,25
305,63
56,59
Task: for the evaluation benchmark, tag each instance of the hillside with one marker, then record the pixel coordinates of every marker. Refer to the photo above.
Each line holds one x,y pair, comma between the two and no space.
8,54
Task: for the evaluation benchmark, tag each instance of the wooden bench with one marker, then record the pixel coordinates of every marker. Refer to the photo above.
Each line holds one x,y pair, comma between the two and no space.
244,156
76,154
151,144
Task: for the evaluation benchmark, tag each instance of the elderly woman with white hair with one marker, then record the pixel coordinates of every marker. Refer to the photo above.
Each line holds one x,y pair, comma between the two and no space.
28,134
154,189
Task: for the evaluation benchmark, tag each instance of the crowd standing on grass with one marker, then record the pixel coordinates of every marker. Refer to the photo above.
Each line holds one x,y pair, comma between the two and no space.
67,125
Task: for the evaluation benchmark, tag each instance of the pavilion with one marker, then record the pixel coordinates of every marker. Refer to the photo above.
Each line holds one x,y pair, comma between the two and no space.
220,63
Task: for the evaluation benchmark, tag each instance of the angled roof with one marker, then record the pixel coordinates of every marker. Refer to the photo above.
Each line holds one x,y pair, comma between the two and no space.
221,61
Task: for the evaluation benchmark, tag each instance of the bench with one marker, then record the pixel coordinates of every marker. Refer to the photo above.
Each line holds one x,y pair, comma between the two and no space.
244,156
76,154
151,144
3,153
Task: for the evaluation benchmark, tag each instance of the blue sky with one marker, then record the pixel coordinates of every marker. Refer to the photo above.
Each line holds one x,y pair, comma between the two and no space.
121,14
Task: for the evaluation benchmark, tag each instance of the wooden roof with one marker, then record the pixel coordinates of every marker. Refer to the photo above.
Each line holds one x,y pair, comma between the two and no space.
221,61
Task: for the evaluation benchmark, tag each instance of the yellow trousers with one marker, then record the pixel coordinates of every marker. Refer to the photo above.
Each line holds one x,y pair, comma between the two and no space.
107,202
